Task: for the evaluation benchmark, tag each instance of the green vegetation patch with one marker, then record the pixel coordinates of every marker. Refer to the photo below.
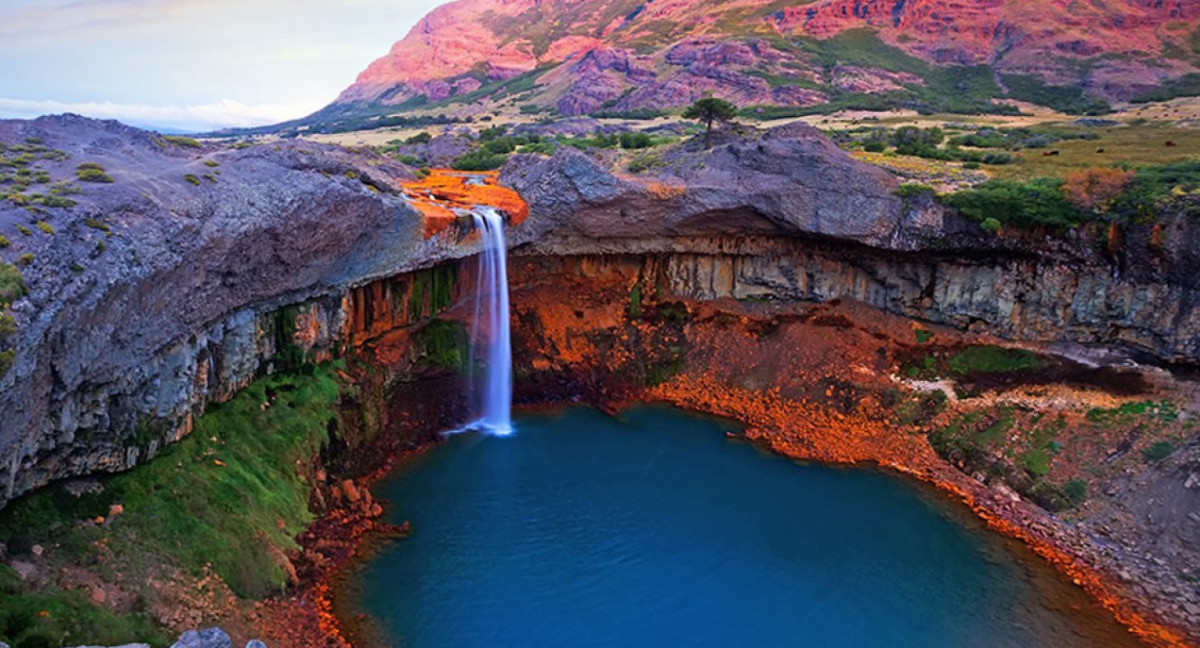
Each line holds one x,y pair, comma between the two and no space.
53,617
12,284
230,494
185,142
92,172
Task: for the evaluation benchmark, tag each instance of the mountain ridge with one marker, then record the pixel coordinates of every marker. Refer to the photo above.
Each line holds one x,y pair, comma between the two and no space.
625,55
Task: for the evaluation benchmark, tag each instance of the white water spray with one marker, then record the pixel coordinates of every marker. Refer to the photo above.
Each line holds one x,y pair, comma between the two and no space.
491,312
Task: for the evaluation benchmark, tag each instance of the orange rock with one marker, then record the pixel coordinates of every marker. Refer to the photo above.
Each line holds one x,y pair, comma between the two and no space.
443,190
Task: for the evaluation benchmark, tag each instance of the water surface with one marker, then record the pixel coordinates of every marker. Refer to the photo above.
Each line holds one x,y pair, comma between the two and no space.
654,530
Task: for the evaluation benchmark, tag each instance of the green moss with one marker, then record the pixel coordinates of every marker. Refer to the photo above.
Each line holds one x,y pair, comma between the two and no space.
444,344
635,301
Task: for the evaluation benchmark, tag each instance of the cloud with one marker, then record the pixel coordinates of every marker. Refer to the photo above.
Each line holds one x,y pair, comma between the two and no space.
224,114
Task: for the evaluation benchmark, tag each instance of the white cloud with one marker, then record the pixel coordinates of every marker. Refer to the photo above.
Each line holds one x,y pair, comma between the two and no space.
224,114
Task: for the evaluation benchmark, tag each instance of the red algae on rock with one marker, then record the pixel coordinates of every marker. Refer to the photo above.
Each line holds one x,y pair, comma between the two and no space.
438,194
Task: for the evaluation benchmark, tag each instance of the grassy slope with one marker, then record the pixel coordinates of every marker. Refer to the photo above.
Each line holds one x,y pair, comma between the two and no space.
231,495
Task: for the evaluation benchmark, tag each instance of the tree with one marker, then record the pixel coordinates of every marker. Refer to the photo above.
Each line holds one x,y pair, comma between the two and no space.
709,110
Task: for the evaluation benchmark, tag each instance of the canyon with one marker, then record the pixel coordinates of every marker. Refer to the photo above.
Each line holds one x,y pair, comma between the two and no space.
772,279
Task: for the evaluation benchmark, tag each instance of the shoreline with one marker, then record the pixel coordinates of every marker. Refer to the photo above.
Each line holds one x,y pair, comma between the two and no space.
1045,538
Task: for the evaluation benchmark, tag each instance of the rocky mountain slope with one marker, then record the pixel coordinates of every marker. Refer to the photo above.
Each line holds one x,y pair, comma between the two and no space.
572,57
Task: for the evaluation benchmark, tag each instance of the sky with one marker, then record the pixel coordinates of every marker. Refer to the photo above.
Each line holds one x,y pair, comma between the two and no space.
191,65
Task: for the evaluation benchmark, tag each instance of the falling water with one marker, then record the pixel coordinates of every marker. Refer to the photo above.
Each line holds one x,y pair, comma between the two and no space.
491,315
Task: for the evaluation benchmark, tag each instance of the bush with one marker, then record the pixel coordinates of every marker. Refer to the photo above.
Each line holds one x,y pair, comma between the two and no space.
1158,451
419,138
7,358
1024,205
12,284
478,160
1076,491
186,142
991,224
192,179
4,242
46,228
875,147
636,140
91,172
910,140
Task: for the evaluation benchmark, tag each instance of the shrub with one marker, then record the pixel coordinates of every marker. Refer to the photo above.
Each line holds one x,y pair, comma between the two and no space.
1075,491
910,140
8,325
636,140
4,242
875,147
24,230
7,358
991,224
478,160
186,142
420,138
12,284
192,179
25,260
97,224
91,172
212,164
1024,205
46,227
1158,451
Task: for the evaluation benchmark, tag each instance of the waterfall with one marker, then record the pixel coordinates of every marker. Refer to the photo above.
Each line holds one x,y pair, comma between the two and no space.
494,391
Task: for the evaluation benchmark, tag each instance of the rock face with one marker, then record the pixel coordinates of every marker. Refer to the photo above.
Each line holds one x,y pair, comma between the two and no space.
631,54
161,291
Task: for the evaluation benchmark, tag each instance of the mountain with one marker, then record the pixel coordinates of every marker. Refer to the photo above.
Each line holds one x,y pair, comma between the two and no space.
574,57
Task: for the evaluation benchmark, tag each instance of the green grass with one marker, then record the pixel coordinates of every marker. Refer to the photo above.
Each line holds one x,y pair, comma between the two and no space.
992,359
53,617
222,496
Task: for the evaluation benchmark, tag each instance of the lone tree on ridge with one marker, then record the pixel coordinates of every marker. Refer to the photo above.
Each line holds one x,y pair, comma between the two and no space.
709,110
